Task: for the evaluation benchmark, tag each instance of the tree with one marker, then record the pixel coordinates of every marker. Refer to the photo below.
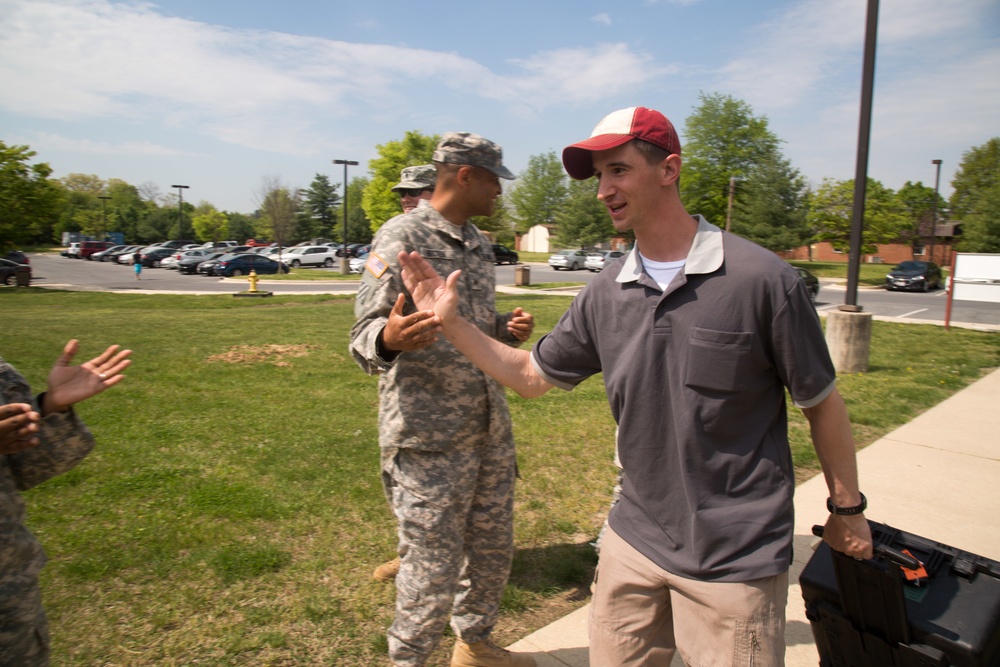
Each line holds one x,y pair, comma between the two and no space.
539,193
723,140
359,227
240,226
499,225
378,201
278,210
917,201
29,202
976,198
319,207
209,223
582,220
831,212
771,211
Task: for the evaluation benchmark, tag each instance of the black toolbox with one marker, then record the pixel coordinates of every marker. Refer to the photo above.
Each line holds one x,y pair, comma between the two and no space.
893,611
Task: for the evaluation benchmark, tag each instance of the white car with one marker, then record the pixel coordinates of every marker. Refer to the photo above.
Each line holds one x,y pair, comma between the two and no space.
597,260
568,259
357,264
172,261
310,255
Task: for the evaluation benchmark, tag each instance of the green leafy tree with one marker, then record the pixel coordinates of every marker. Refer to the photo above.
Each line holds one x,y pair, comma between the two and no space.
499,225
240,227
917,201
359,227
976,198
278,209
772,209
582,221
831,212
29,202
723,140
378,201
318,214
209,223
81,211
539,192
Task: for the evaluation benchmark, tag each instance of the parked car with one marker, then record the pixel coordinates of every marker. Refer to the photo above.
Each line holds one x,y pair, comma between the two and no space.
171,261
914,275
568,259
17,256
189,265
352,249
357,264
88,248
811,281
310,255
101,255
116,255
596,261
504,255
242,264
9,271
73,251
153,257
176,243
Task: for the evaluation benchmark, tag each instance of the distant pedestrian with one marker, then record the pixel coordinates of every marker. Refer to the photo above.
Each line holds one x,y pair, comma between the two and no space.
137,265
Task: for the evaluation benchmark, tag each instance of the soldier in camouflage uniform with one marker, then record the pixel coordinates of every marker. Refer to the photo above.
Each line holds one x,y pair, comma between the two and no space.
39,439
447,450
415,184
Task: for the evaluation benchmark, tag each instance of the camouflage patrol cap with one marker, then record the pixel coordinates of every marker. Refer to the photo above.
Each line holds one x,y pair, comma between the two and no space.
473,150
421,177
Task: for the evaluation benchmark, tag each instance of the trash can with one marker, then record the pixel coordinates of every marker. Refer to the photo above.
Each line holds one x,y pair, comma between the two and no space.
23,275
522,275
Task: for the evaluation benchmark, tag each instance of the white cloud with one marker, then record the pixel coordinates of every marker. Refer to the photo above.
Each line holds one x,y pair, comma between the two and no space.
46,141
601,18
75,59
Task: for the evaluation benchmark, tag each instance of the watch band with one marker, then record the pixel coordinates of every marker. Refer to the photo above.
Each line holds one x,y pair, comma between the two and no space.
847,511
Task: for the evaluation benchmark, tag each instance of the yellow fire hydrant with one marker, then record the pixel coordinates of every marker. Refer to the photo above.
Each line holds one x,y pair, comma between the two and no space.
253,280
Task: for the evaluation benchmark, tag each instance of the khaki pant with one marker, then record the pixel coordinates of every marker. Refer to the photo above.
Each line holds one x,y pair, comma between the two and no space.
642,614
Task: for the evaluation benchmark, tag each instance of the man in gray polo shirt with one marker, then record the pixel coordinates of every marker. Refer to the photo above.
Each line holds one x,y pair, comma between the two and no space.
698,334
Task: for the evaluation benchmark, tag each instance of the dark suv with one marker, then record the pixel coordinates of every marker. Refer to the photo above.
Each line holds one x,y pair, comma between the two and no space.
504,255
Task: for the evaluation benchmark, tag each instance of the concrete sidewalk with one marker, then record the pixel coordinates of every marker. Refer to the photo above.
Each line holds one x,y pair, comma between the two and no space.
937,476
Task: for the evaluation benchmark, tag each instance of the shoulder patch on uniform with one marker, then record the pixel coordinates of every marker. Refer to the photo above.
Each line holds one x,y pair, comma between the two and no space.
376,265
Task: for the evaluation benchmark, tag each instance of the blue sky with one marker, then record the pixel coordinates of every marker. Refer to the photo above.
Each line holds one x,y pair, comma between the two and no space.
219,94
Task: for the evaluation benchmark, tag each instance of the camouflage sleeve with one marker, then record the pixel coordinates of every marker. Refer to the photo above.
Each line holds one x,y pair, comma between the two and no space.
380,285
64,440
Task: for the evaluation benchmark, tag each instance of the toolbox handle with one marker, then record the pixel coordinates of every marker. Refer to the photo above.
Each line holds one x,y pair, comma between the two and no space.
882,551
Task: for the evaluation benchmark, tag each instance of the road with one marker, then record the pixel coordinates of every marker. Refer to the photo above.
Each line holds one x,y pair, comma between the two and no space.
58,272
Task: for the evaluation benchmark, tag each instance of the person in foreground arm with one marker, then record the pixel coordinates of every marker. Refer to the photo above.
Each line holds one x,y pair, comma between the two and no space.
830,427
40,438
438,300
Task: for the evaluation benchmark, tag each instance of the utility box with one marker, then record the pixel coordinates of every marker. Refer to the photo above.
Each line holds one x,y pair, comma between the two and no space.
522,275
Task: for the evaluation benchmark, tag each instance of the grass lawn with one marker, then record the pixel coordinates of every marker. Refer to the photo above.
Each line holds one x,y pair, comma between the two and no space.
231,513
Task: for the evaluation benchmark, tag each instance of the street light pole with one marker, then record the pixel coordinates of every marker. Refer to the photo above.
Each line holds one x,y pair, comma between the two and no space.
180,209
345,262
104,214
937,183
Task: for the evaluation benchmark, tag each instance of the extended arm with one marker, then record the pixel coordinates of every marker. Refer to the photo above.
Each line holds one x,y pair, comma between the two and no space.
508,366
831,434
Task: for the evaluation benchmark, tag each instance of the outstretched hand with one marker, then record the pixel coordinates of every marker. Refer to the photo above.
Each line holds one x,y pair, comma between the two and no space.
69,385
428,289
18,425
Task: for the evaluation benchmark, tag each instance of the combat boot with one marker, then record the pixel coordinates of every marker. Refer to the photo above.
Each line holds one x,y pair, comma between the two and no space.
487,654
387,571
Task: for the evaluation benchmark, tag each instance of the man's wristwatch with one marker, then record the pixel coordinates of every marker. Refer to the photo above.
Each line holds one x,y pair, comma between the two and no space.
848,511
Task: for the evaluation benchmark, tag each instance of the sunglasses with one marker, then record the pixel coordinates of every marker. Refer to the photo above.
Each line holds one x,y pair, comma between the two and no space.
413,192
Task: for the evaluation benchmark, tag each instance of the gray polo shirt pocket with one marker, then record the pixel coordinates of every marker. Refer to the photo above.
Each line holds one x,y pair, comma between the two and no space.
718,361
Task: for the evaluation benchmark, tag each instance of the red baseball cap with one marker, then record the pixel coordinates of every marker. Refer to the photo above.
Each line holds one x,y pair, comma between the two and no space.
616,129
